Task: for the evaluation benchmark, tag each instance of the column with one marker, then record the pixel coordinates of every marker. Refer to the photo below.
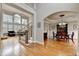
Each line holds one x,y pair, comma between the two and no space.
0,19
0,25
13,21
78,41
34,27
78,35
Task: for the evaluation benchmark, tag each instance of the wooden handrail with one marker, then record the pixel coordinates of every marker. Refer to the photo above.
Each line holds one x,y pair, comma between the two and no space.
30,27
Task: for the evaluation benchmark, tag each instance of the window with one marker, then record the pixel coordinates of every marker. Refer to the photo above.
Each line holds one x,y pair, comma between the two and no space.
4,18
7,23
7,18
24,23
17,19
30,21
5,28
17,22
10,27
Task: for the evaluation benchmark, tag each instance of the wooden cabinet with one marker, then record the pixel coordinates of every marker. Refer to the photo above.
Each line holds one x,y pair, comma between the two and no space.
62,31
45,39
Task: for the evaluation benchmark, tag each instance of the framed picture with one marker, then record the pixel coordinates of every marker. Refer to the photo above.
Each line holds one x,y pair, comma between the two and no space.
75,26
39,24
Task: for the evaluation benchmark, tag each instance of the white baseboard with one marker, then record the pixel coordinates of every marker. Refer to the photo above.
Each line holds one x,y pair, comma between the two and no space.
38,42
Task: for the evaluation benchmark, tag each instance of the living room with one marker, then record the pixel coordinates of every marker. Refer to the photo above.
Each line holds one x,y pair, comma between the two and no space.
35,16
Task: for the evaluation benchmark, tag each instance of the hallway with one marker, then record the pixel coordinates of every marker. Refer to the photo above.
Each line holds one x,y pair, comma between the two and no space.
12,47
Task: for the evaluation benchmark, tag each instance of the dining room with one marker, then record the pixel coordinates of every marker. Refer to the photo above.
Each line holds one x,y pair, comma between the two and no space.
62,26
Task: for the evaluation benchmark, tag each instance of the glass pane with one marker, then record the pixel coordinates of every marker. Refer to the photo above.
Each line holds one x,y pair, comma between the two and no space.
23,26
10,20
4,18
4,28
17,19
30,24
19,27
24,21
15,28
7,23
10,27
7,18
30,21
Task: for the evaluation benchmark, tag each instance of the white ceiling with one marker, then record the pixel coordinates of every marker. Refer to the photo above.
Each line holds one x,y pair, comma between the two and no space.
56,16
69,16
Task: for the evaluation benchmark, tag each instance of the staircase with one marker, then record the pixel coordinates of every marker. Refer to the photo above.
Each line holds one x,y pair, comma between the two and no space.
25,34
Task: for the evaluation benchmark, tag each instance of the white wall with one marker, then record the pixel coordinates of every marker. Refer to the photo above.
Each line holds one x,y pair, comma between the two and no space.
32,5
72,29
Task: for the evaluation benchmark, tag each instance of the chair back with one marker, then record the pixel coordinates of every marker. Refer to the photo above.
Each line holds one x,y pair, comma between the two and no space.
72,34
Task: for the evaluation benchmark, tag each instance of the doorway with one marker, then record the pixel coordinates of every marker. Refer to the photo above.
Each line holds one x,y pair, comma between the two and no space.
62,17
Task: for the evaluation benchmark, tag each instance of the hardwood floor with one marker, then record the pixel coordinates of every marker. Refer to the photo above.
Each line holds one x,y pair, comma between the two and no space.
12,47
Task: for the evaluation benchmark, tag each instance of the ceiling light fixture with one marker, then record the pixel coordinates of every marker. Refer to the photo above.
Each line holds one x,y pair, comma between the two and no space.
61,15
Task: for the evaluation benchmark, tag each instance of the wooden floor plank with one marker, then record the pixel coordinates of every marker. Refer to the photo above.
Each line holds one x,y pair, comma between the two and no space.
12,46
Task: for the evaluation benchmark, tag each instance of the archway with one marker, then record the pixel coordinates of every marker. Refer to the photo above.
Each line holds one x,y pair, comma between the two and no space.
68,17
